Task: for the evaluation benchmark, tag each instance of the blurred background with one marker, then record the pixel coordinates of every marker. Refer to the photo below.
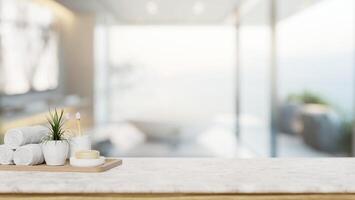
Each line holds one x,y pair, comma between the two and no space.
185,78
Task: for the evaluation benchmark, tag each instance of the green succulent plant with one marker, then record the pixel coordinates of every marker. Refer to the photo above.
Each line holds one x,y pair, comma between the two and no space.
56,123
307,97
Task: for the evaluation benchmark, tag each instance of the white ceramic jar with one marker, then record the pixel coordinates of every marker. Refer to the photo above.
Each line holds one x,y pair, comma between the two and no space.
79,143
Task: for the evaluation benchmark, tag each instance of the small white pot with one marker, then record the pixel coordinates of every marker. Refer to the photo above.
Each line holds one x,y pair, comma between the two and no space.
55,151
79,143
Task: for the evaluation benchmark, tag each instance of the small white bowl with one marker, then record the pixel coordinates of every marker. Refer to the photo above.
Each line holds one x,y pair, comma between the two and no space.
86,162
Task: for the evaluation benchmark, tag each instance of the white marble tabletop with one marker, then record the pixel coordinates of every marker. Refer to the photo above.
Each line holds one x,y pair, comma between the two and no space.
191,175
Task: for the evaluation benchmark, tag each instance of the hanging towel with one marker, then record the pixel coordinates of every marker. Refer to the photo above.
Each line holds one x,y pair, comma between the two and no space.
17,137
6,155
30,154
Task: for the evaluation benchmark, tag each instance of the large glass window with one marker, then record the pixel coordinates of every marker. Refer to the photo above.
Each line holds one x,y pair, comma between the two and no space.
316,77
172,72
255,46
175,82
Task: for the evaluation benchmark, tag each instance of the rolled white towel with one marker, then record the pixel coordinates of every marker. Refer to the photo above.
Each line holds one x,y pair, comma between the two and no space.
17,137
6,155
30,154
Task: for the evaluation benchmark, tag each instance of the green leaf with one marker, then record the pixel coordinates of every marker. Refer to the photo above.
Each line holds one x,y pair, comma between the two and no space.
56,123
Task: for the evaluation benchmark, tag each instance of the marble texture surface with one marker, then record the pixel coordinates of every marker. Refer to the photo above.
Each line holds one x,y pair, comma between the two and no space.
191,175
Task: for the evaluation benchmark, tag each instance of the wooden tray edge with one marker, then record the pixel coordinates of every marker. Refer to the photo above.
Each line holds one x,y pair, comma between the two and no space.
109,164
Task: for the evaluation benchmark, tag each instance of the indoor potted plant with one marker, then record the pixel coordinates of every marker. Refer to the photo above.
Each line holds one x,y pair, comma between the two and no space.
55,145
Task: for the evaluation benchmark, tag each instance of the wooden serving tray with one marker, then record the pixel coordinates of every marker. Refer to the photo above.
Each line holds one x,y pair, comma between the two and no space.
109,164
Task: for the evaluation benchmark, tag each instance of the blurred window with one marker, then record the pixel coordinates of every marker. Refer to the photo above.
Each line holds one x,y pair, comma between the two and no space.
28,48
171,72
316,66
